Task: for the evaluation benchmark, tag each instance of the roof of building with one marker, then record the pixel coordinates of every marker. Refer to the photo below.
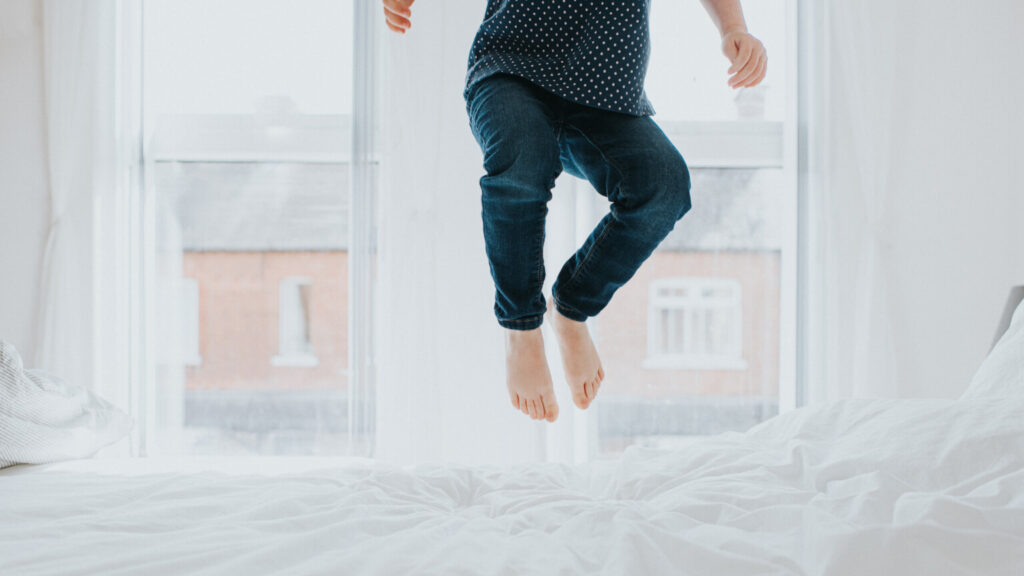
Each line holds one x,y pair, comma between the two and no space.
227,196
256,206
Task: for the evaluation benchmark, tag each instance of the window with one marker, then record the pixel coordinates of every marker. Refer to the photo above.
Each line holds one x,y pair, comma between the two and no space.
253,176
295,345
702,339
694,324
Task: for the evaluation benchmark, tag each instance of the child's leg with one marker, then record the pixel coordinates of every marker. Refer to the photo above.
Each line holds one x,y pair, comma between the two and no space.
514,125
629,160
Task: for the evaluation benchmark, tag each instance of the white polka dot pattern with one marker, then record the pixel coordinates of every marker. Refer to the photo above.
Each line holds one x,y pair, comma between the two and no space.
592,52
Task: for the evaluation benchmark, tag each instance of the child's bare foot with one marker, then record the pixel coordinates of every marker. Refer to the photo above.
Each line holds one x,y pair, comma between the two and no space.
583,369
528,376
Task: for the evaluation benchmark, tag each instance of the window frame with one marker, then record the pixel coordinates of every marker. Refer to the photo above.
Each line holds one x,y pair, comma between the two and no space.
363,190
287,288
140,204
690,306
739,143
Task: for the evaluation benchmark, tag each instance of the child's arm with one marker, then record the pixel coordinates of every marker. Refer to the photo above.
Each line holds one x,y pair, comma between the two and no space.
746,53
397,14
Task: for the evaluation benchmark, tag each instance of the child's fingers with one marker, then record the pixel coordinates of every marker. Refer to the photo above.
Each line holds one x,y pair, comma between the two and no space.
755,77
745,50
734,80
746,73
391,23
762,70
396,7
397,20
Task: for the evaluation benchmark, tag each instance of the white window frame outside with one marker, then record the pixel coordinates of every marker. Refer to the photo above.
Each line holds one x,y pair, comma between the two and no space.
288,354
691,305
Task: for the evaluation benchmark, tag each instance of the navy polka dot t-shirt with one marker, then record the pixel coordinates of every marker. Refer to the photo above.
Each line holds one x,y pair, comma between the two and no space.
592,52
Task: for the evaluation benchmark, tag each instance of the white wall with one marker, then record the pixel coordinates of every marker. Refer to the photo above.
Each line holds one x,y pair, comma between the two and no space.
960,194
24,199
944,136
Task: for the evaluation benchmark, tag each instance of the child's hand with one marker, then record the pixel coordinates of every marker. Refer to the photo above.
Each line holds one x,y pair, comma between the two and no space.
397,14
748,57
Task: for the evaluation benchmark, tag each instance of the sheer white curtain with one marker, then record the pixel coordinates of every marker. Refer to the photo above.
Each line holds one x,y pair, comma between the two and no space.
441,379
921,221
859,324
79,313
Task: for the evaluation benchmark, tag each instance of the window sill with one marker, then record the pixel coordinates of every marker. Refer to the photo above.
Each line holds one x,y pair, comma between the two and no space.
729,143
673,363
306,360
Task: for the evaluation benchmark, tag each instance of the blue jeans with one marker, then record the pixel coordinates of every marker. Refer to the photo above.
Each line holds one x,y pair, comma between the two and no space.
528,136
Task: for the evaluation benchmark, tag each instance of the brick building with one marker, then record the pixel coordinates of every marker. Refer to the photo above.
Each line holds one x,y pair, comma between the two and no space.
690,345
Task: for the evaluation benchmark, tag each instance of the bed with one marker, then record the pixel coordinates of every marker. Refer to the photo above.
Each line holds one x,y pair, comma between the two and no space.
857,486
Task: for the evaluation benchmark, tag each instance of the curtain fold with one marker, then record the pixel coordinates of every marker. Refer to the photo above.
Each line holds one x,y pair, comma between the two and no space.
80,264
441,377
861,352
920,224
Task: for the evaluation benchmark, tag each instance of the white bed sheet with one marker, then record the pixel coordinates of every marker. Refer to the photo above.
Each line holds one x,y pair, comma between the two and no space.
851,487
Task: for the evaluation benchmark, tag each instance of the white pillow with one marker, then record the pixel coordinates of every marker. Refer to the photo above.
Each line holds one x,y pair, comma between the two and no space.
45,419
1002,372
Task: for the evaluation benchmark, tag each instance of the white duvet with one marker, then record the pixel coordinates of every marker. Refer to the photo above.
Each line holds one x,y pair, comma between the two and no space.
852,487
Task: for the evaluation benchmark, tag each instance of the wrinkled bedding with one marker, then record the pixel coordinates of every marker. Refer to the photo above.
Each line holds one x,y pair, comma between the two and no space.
44,418
849,487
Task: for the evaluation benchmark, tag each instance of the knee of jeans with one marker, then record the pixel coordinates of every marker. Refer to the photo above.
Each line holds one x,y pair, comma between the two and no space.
672,195
683,200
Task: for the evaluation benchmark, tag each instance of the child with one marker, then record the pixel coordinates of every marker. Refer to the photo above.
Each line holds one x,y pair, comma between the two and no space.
559,84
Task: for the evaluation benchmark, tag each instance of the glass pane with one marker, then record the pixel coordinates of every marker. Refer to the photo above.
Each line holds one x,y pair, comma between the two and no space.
717,373
677,332
686,76
190,321
718,331
248,108
294,317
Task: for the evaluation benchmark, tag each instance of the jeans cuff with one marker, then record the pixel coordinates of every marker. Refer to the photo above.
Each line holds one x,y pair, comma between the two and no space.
569,312
528,323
